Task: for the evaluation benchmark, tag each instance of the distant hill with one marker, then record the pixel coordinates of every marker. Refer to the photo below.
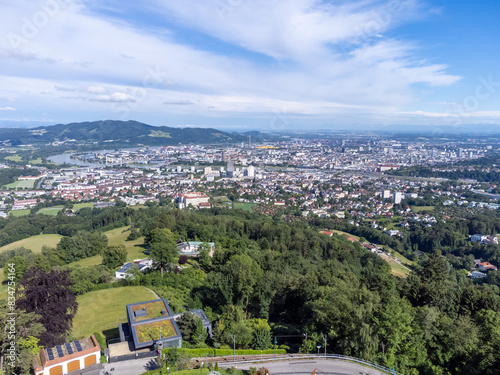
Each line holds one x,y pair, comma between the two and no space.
116,133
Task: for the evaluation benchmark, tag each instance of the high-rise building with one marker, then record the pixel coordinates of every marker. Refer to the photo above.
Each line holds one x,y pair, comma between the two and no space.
250,171
397,197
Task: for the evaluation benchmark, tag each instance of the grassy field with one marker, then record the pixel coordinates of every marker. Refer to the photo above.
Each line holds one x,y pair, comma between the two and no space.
116,237
396,268
54,210
20,212
34,243
102,310
17,158
119,235
422,208
244,206
402,258
51,210
78,206
21,184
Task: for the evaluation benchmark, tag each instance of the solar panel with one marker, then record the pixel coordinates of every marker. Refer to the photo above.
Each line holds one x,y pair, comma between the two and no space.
77,345
60,352
69,349
50,354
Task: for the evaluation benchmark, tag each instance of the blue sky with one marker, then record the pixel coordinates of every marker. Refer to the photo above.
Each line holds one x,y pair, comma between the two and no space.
252,64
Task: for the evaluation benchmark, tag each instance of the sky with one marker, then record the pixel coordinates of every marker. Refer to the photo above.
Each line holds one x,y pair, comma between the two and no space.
272,65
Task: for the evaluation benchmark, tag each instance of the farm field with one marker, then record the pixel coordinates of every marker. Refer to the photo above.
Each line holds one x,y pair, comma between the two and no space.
102,310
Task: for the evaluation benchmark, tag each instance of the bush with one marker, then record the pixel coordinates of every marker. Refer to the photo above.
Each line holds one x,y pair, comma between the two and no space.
183,259
101,341
103,359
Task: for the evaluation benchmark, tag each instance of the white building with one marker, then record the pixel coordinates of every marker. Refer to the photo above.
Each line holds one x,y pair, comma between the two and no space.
190,248
251,171
193,199
124,270
397,197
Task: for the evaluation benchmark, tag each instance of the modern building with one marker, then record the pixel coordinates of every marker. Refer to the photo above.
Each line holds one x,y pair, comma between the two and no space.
151,323
71,356
397,197
250,172
143,265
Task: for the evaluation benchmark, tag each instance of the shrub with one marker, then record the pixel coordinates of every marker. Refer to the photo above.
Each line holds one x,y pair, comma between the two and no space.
101,341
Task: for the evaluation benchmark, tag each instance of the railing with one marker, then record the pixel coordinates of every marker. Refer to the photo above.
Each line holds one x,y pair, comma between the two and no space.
315,356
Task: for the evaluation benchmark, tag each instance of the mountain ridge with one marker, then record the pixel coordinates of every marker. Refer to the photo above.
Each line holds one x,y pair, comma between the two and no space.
116,132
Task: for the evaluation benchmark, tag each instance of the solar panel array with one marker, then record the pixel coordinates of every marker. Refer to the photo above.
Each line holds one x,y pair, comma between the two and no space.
50,354
77,345
69,349
60,352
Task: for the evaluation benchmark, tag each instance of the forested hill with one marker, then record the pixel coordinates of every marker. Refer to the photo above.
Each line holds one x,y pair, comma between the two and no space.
117,133
286,279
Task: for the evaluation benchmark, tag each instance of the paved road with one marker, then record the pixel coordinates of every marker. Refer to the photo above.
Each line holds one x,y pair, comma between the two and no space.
133,367
307,366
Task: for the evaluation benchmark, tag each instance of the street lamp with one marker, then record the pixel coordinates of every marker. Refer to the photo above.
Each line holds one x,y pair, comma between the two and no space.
324,341
168,370
233,337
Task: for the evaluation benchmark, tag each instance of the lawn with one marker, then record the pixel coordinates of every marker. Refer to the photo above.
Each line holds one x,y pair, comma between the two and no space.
422,208
20,212
118,236
21,184
51,210
244,206
78,206
35,243
102,310
87,262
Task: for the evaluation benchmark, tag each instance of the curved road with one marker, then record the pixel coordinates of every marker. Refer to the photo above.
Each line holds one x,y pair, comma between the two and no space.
307,366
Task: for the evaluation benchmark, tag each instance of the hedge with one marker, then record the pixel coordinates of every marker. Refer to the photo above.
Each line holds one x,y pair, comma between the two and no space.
203,352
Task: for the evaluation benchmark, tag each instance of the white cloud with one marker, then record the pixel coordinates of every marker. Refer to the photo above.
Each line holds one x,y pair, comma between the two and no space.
7,109
117,97
321,58
96,90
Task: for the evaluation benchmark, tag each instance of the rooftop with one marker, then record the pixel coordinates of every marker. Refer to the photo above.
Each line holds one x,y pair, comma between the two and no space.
149,310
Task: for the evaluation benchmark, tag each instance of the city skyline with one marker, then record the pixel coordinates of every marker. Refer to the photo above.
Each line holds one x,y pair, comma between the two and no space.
232,64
